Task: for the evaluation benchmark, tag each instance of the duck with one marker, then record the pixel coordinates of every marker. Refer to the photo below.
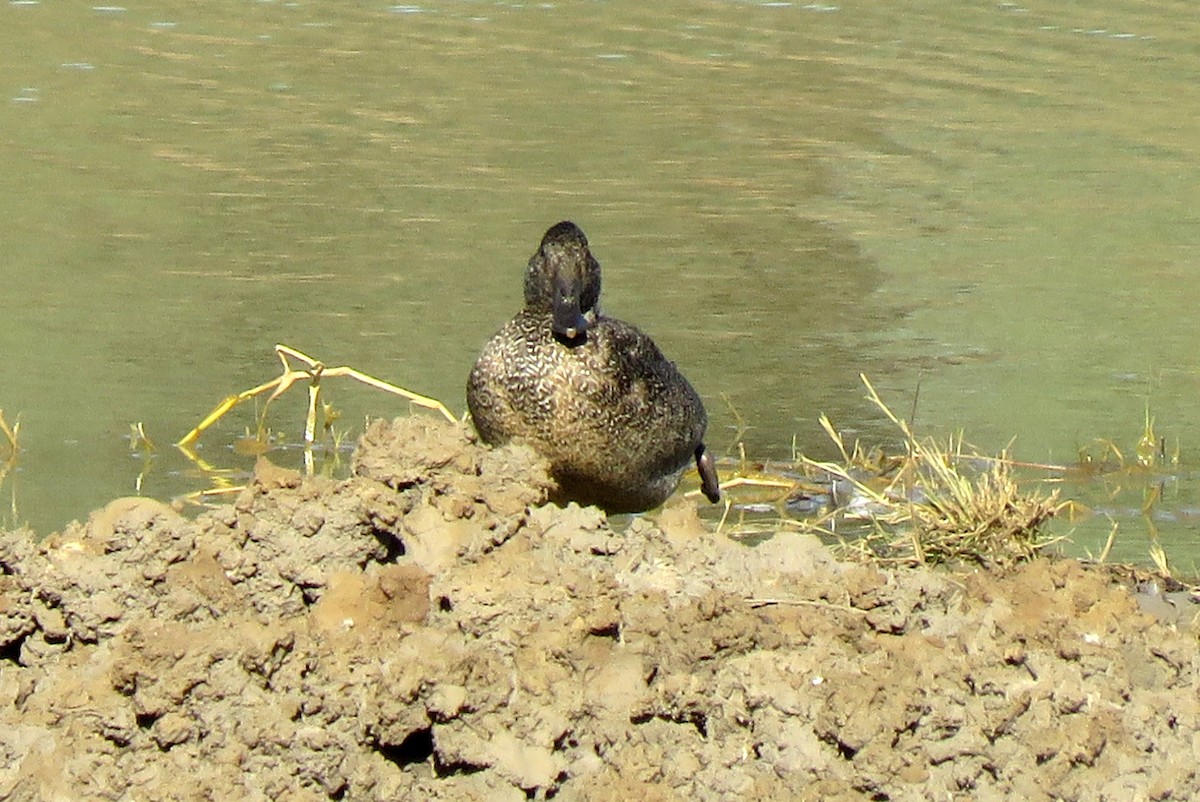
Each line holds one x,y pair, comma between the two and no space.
614,418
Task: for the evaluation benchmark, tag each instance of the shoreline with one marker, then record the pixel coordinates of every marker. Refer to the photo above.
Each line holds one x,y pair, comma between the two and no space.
426,628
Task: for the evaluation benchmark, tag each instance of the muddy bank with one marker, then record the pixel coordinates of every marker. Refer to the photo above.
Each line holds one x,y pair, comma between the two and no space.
426,630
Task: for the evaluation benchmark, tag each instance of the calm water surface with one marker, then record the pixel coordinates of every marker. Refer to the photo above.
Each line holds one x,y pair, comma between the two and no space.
994,202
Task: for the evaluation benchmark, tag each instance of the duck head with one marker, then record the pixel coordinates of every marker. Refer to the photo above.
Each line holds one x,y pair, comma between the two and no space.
563,278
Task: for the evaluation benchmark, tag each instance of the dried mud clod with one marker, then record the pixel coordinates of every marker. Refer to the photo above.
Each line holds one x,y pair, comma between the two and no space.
448,461
425,629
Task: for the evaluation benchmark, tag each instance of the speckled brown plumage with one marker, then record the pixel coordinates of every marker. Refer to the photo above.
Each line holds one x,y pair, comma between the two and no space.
615,418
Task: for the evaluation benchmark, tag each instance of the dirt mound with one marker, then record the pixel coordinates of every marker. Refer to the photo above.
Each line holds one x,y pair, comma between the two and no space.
425,630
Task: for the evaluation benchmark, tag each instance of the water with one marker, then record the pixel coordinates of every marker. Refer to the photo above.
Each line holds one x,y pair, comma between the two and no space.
994,203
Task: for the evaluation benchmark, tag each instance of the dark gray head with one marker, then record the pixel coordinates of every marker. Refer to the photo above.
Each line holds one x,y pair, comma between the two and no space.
563,278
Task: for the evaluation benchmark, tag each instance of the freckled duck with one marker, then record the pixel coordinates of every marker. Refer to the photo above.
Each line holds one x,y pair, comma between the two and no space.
615,418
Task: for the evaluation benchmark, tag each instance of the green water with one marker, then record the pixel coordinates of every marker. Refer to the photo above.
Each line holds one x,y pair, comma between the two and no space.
993,202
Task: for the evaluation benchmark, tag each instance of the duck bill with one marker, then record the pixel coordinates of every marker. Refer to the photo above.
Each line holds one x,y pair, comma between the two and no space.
568,319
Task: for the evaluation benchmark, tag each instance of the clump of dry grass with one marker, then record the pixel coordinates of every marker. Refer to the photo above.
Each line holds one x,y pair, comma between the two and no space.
10,452
938,503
